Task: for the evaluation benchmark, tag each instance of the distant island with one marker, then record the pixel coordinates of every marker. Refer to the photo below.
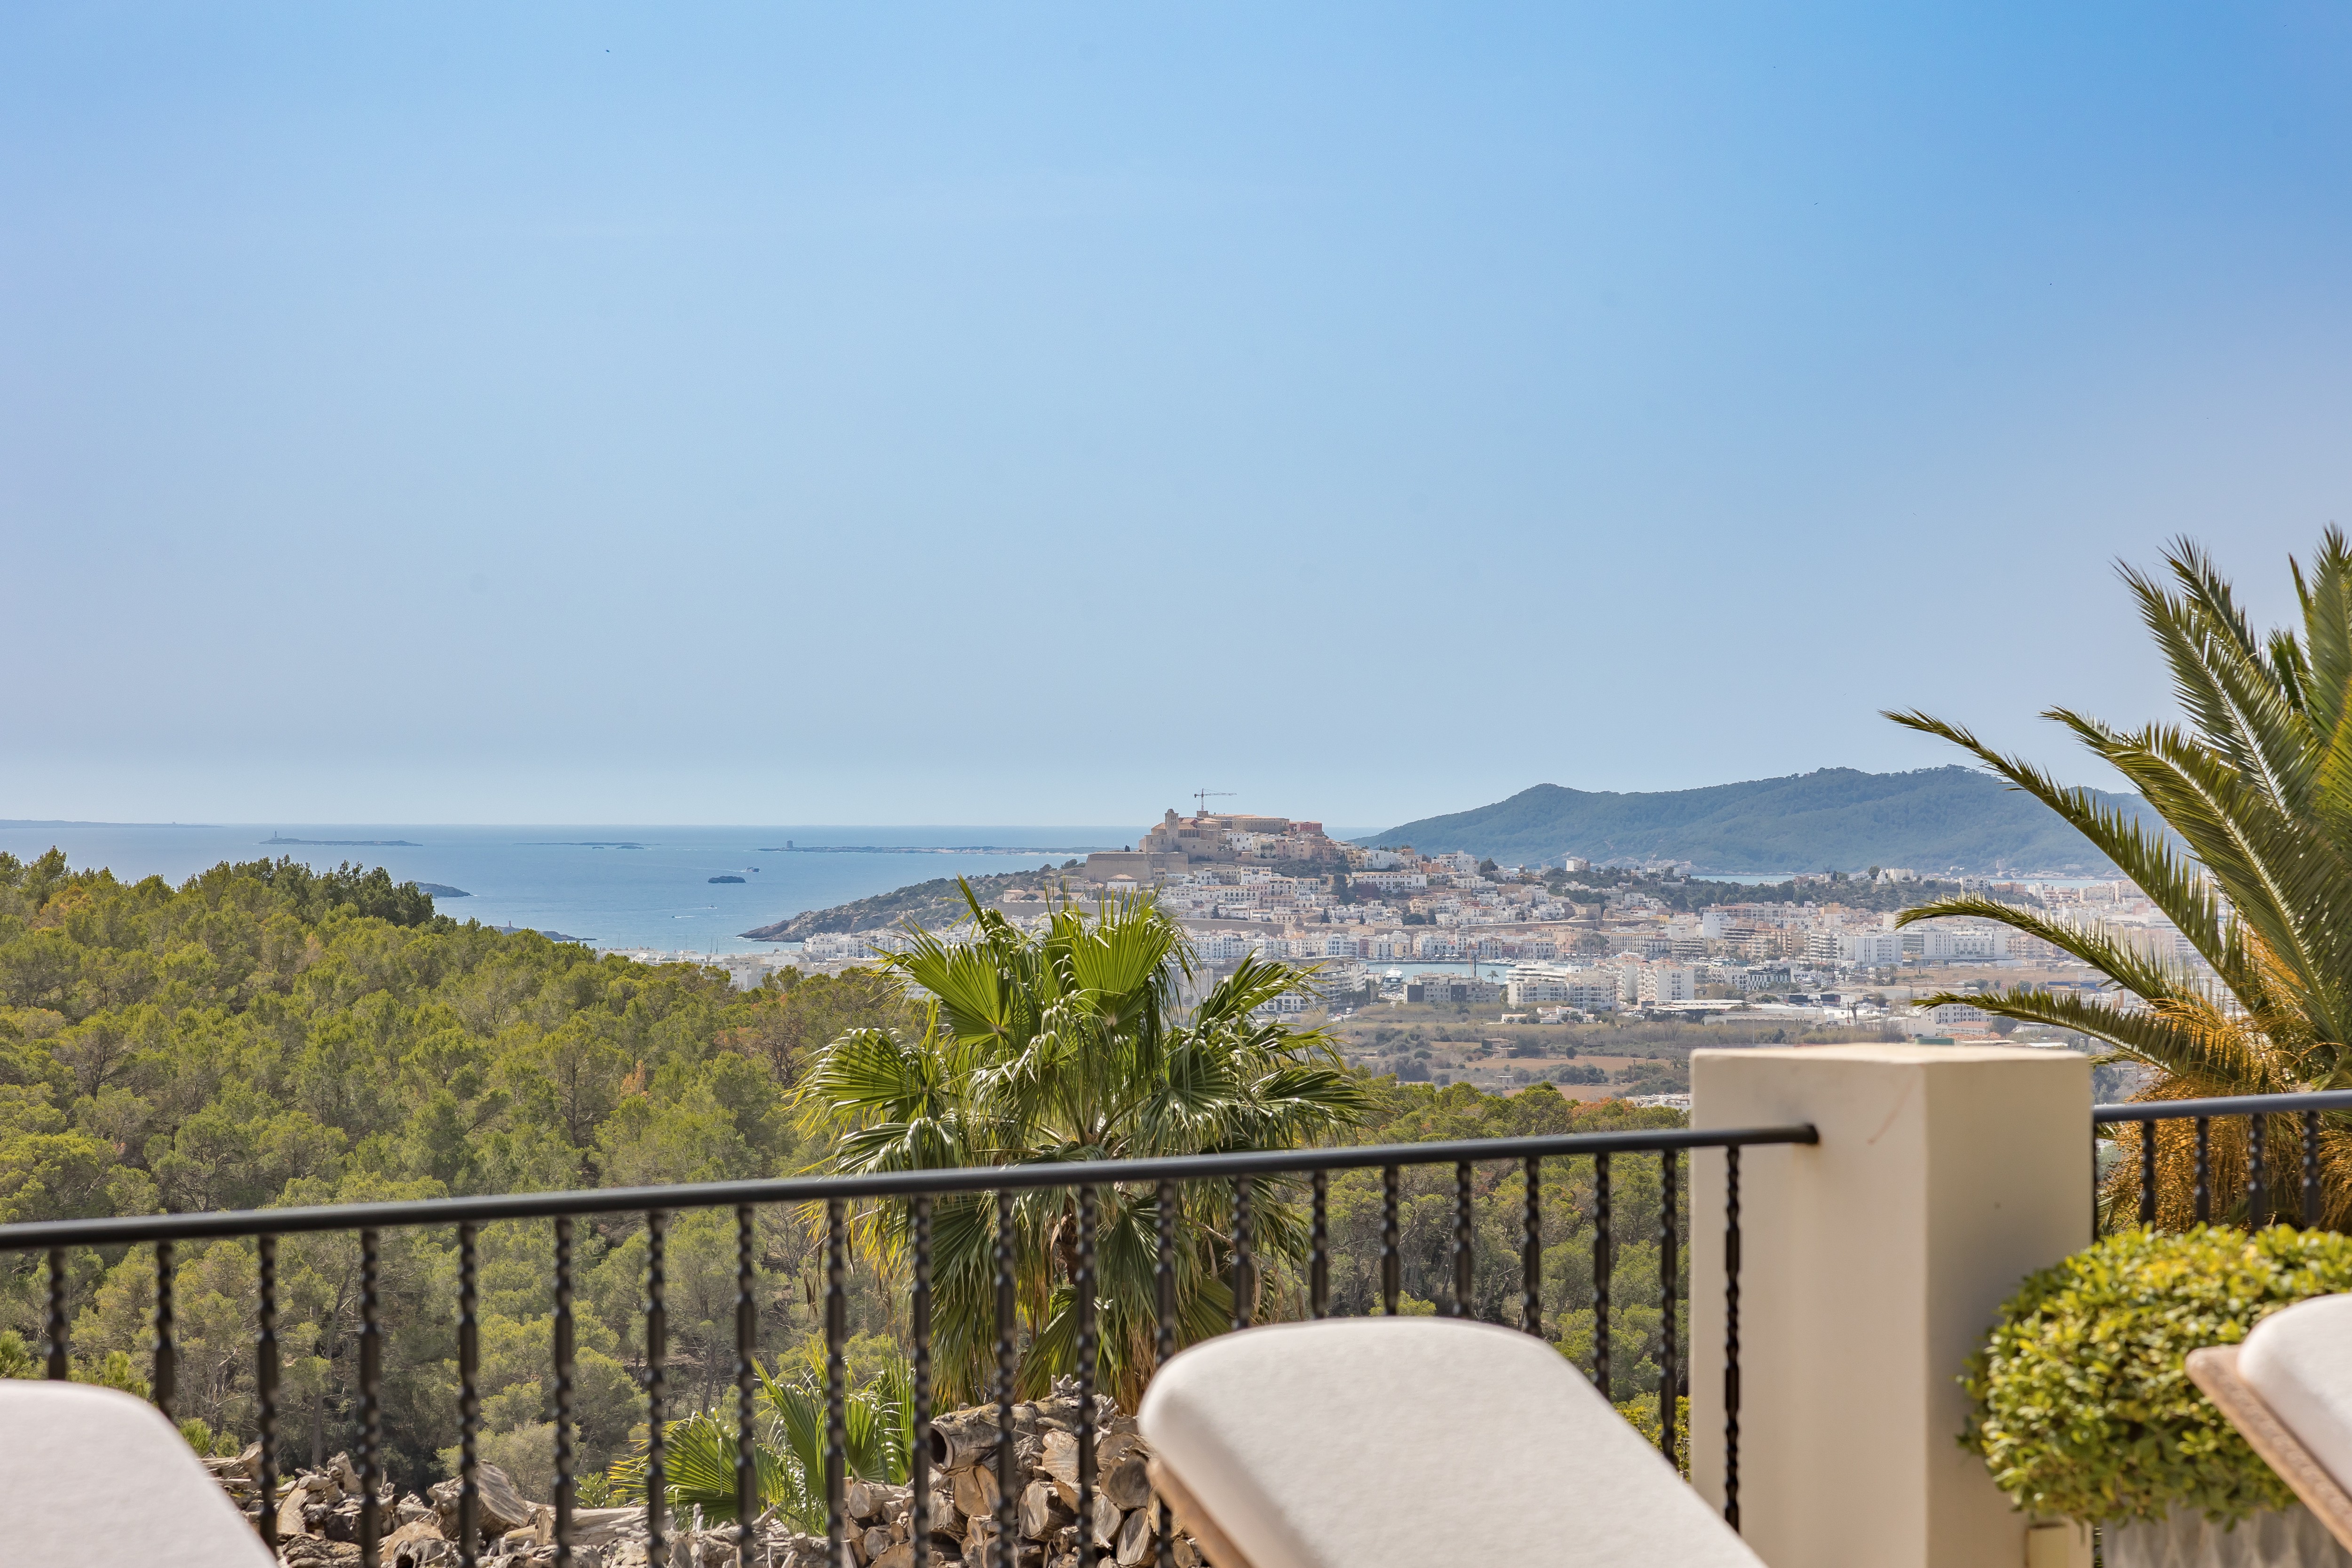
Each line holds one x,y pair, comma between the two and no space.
550,935
789,847
1935,820
344,843
443,891
727,879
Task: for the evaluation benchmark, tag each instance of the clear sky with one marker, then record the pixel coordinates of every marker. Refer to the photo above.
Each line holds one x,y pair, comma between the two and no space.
889,413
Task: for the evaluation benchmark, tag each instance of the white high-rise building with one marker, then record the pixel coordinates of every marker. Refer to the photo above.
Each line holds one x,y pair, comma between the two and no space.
1870,949
1668,983
1941,944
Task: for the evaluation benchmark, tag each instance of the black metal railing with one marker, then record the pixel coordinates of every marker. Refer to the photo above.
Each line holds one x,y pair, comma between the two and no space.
918,1189
2259,1110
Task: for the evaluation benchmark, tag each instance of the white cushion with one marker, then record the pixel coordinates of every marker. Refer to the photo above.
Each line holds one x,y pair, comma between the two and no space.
2299,1359
1364,1442
94,1478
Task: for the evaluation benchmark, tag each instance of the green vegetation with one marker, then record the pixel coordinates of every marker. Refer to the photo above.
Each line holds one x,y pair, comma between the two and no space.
1414,1113
938,902
788,1446
1064,1046
2082,1406
1930,820
1691,894
264,1036
2256,872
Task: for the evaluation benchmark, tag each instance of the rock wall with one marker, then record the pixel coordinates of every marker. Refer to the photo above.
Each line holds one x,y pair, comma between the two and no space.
319,1510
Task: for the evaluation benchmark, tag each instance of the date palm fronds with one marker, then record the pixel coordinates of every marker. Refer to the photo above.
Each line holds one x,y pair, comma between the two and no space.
2252,865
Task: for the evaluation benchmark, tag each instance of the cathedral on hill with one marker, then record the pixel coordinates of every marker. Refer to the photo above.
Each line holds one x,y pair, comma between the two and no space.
1178,843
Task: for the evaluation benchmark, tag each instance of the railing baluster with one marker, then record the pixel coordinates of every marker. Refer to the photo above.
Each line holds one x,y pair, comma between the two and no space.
2204,1170
564,1349
1164,1273
1244,1276
1318,1255
657,1388
1006,1367
1391,1259
1732,1337
2311,1170
1089,1353
2094,1180
1669,1262
166,1367
1603,1268
747,1325
1163,1527
1531,1249
371,1407
2254,1174
2147,1173
837,1393
920,1462
1172,1267
470,1400
60,1363
1465,1237
265,1384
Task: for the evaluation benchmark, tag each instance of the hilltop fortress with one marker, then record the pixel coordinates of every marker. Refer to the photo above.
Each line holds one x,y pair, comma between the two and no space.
1179,843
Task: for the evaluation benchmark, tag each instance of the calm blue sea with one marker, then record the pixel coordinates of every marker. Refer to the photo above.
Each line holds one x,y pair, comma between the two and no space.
611,886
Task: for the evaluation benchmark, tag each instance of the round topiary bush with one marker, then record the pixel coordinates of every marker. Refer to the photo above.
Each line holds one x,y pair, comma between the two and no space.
2083,1408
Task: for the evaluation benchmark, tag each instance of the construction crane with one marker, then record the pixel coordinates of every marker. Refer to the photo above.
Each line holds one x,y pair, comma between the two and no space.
1200,798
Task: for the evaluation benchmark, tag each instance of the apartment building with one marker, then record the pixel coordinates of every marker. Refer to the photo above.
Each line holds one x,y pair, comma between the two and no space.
1870,949
1941,944
1662,982
1448,988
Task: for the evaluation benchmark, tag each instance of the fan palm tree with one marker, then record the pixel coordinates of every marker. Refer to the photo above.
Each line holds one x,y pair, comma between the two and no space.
1072,1045
2255,873
787,1444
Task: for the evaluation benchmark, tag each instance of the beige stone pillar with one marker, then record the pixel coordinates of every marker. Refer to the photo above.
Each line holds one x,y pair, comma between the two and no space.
1871,1265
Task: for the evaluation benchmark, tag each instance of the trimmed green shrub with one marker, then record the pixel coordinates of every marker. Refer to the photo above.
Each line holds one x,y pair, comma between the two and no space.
2083,1404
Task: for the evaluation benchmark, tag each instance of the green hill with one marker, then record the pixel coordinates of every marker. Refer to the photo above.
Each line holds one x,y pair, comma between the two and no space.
1936,819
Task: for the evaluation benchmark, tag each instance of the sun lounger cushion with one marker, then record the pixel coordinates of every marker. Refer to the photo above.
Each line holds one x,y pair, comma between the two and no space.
93,1477
2299,1359
1406,1442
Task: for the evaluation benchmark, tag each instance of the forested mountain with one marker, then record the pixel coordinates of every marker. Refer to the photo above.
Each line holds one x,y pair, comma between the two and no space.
1936,819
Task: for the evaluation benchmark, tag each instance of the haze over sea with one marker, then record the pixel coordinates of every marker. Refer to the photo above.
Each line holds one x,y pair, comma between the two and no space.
613,886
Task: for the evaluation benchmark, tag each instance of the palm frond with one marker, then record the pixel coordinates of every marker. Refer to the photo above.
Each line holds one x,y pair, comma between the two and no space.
1069,1044
2274,870
2171,883
2256,867
2145,1034
2221,679
2096,946
699,1467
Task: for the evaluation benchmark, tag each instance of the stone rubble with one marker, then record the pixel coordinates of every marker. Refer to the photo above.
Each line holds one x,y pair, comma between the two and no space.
319,1510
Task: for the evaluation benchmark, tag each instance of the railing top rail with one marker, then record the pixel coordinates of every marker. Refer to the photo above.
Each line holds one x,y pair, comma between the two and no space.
218,1223
2226,1105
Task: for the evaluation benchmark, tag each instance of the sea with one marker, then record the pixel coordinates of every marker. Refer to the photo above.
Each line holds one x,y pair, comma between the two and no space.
611,886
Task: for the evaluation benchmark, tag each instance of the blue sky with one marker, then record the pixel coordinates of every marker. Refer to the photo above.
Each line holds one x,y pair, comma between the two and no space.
1028,413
